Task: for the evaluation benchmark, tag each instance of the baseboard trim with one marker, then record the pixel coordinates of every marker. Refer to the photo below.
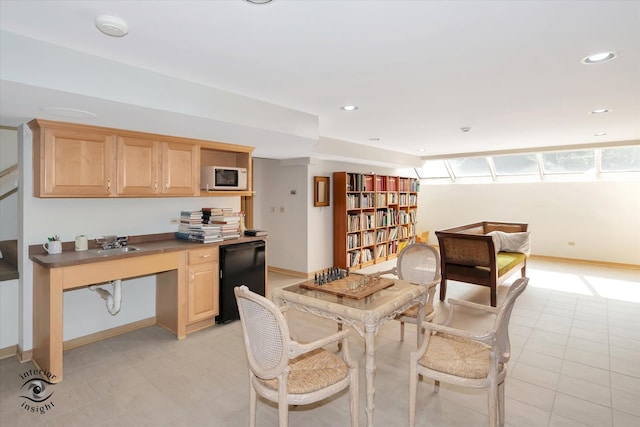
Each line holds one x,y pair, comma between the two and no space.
109,333
6,352
587,261
290,272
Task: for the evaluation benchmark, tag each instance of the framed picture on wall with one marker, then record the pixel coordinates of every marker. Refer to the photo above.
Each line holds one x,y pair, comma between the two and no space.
320,191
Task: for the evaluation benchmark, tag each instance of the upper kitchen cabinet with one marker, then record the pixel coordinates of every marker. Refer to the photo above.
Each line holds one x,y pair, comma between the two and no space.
70,161
154,168
73,160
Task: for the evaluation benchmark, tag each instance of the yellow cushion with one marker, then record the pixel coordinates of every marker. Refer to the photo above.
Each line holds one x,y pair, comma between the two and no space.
507,260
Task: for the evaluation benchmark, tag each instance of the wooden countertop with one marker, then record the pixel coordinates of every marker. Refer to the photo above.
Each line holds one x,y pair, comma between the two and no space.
149,244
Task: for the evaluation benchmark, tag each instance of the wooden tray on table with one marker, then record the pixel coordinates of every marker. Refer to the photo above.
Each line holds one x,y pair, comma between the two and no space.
342,287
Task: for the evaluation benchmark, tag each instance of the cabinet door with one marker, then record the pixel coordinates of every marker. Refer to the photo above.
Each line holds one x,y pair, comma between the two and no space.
180,169
76,164
203,292
138,166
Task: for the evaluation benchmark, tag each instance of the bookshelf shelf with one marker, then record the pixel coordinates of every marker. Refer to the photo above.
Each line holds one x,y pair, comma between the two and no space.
373,216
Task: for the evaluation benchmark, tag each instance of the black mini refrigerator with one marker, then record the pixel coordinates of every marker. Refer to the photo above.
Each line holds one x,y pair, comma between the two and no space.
240,264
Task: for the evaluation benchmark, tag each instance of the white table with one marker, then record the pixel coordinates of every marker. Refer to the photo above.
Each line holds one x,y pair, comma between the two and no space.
366,316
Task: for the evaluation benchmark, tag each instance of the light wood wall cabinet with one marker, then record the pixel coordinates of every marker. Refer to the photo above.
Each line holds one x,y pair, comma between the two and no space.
203,286
73,160
149,168
374,216
73,163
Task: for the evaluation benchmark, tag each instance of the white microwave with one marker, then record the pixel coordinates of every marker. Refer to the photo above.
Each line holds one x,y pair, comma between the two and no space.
223,178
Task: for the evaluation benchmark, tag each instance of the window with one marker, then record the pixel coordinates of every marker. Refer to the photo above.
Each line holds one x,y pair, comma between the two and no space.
569,161
617,163
433,169
517,164
470,166
620,159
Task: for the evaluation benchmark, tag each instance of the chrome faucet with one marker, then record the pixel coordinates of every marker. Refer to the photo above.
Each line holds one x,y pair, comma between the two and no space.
112,242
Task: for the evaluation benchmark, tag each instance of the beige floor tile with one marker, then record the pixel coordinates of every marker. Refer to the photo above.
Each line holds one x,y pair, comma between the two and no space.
584,390
567,351
591,414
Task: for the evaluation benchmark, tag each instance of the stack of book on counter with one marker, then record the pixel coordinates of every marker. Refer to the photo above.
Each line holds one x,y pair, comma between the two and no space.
226,218
256,233
192,229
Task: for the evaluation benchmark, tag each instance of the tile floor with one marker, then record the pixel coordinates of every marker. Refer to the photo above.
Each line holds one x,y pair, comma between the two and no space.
575,336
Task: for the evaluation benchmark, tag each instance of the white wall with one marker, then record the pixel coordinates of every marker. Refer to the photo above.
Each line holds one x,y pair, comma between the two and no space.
601,218
300,238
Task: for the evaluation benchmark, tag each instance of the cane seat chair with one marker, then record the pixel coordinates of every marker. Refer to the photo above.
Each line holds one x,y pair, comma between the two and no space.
288,372
467,359
418,263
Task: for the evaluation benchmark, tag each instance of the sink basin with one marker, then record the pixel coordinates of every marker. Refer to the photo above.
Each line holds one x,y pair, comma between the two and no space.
116,251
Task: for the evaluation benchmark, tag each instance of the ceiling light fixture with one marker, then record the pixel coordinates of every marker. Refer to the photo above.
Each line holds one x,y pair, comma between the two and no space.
349,108
600,111
259,1
465,129
374,139
600,134
112,25
597,58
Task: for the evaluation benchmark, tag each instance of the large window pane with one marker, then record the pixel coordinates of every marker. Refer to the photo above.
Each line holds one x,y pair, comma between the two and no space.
517,164
433,169
620,159
470,166
568,161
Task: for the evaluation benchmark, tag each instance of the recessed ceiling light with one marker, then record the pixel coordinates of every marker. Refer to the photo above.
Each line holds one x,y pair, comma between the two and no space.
374,139
465,129
599,134
112,25
600,111
422,150
597,58
70,113
259,1
349,108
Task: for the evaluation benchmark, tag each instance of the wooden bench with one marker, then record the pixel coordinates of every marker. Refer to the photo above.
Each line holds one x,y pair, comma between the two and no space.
468,254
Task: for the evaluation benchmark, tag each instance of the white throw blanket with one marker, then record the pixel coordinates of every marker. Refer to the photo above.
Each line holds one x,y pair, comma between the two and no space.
511,242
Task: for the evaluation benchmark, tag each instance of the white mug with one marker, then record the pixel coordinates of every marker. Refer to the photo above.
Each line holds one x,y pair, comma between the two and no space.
53,247
82,243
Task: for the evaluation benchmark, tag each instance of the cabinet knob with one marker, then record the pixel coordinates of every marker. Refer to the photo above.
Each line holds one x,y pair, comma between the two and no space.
108,184
155,186
204,256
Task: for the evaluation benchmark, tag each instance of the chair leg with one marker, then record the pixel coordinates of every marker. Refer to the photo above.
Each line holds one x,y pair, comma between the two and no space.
436,386
401,331
413,391
443,289
253,401
493,405
501,403
494,296
283,414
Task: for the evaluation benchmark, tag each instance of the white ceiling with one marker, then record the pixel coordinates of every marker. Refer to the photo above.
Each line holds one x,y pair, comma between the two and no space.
417,70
